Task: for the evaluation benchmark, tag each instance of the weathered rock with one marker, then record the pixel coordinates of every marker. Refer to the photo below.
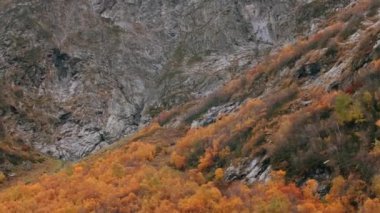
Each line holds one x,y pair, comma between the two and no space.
320,173
249,171
91,71
214,113
308,70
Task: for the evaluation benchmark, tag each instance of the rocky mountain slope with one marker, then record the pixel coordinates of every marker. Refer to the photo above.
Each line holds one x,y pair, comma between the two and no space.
78,75
297,132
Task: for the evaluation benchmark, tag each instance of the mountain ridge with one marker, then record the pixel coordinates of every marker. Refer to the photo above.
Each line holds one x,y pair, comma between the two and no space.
91,72
297,133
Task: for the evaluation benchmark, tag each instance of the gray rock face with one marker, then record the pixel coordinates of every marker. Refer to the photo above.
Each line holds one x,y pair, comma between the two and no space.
77,75
214,113
249,171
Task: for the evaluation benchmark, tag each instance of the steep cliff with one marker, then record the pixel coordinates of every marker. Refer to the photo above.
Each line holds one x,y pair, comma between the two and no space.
78,75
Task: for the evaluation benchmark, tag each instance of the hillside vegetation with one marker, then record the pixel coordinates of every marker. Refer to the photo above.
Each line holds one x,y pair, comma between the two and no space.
310,112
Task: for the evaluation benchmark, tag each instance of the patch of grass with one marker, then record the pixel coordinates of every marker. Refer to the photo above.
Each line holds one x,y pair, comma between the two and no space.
348,110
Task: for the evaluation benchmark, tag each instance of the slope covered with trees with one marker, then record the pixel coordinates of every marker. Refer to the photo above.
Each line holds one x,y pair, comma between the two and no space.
311,111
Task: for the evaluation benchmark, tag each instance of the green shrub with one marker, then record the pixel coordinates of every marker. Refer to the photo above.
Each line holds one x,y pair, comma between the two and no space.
348,110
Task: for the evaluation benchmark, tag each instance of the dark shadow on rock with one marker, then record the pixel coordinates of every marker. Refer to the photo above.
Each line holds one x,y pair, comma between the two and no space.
309,70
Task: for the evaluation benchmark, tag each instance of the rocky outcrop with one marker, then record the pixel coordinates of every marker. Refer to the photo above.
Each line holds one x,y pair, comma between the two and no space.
214,113
249,171
80,74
